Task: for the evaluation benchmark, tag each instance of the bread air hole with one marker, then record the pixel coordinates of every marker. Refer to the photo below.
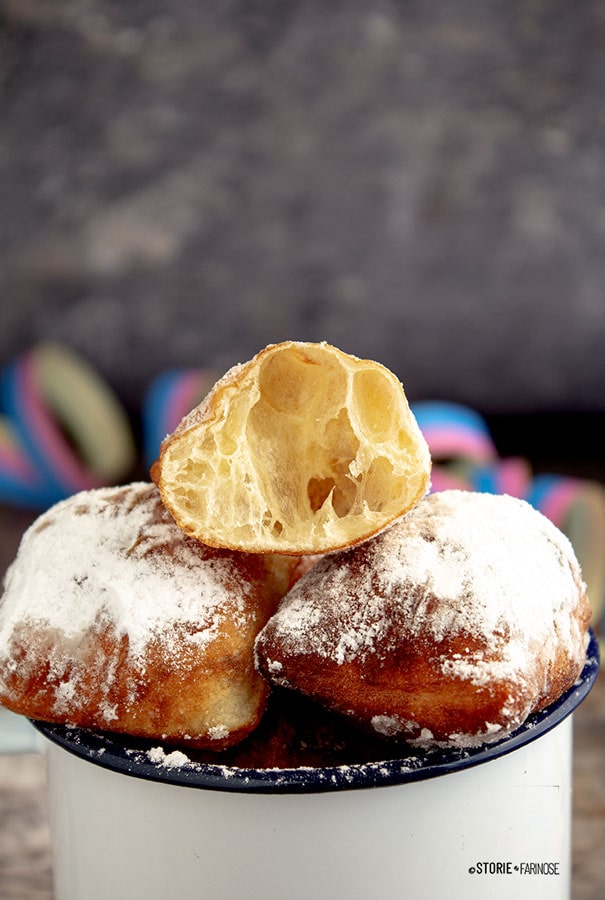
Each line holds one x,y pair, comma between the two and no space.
377,403
187,501
269,521
302,408
342,495
382,485
293,381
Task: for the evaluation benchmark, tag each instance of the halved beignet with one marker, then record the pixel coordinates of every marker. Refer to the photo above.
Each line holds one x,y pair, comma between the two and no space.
449,628
113,619
302,450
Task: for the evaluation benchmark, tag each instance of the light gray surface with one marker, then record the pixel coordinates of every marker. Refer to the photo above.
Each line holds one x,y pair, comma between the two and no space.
420,182
16,734
25,860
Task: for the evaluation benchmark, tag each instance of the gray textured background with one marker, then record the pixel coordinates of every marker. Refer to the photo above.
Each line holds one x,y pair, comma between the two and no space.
421,182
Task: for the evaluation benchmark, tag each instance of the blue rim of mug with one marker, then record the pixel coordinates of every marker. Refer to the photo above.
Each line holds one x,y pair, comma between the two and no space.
119,754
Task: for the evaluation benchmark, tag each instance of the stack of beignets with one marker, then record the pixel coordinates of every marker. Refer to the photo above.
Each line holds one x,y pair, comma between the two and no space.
449,628
113,619
155,611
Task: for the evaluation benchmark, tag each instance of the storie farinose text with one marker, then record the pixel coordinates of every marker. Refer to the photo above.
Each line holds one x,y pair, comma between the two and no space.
510,868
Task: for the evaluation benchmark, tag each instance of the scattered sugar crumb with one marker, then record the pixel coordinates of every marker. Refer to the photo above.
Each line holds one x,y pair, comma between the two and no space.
176,759
218,732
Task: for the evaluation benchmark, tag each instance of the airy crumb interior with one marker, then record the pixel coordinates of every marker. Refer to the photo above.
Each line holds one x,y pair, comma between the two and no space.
311,447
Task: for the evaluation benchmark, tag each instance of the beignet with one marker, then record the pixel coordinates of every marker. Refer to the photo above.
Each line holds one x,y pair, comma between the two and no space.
449,628
113,619
302,450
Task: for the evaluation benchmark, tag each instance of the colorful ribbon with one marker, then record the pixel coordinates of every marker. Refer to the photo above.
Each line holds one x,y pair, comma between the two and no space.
63,431
170,396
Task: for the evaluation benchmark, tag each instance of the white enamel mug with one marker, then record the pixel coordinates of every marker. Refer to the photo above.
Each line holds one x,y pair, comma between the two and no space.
493,822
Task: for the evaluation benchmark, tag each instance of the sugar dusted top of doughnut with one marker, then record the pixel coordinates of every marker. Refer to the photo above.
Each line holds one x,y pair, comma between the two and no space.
114,556
460,563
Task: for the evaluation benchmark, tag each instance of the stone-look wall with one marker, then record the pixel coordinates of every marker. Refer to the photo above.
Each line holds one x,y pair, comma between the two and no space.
420,182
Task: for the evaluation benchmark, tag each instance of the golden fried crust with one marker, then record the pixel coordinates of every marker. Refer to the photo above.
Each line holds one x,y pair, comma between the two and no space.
302,450
450,628
113,619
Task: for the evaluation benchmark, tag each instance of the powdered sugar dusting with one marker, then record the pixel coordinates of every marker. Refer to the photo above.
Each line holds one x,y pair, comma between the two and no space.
490,567
115,557
218,732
